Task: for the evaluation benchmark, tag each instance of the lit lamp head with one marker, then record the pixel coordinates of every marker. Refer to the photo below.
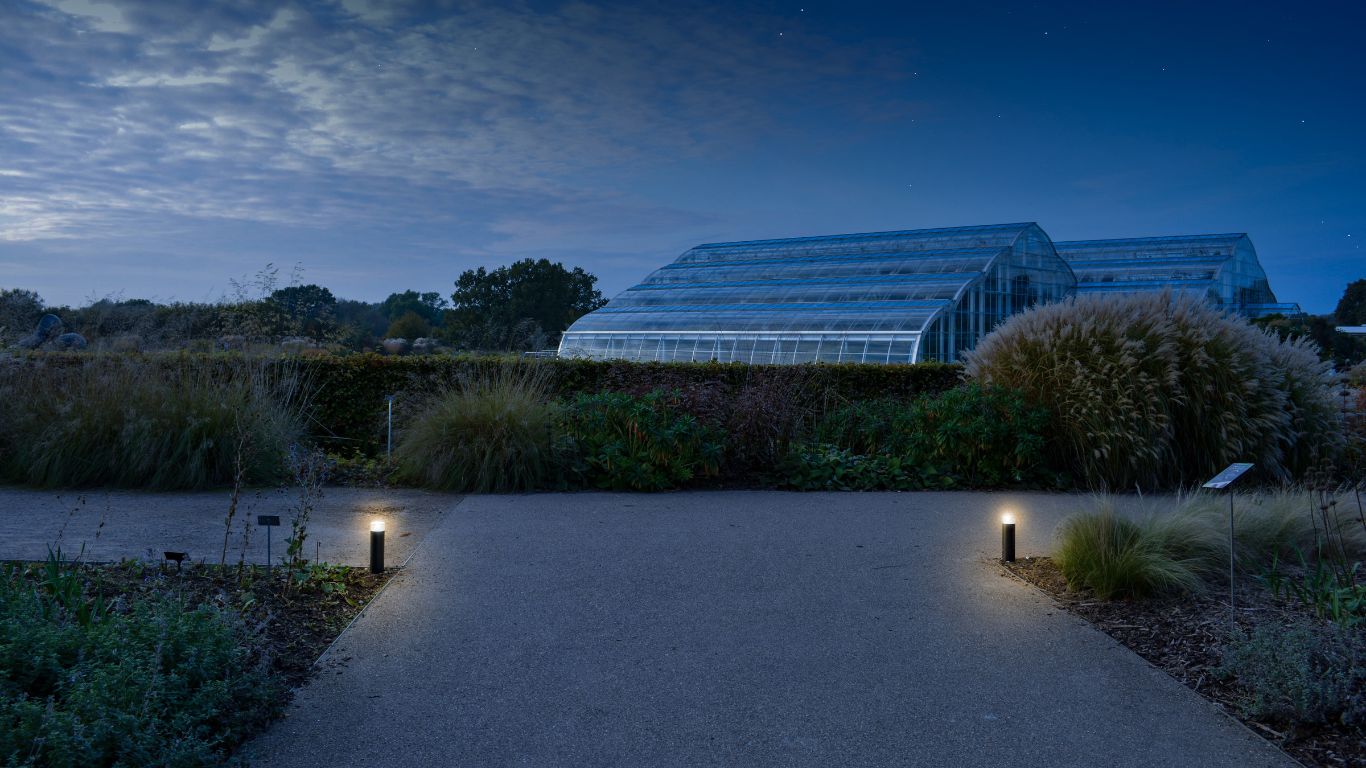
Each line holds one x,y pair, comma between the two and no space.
376,546
1008,537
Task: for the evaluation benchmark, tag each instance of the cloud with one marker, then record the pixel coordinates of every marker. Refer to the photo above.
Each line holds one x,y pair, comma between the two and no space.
504,126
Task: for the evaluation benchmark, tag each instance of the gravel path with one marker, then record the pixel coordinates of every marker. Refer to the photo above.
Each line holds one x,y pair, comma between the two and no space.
739,629
113,525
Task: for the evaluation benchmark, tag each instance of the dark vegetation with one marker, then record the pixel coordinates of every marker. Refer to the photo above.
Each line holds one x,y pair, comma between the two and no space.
132,664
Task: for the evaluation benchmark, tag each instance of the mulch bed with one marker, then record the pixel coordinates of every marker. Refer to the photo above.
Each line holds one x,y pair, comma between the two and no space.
1185,638
297,622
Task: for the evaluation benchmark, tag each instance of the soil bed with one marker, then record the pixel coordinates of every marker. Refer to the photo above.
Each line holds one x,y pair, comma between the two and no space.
298,618
1185,637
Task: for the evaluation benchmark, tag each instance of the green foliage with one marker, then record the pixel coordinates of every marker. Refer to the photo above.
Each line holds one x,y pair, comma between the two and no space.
154,683
761,407
19,313
1115,557
647,443
429,306
524,305
1162,390
970,436
1351,308
1305,673
491,433
181,424
409,325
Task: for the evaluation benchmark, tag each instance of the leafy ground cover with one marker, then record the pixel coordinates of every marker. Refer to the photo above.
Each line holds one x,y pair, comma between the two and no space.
1283,662
138,664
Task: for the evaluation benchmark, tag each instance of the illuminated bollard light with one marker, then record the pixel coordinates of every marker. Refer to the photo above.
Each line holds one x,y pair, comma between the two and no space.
1008,537
377,546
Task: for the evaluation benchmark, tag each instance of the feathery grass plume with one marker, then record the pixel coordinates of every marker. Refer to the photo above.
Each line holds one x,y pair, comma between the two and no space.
111,420
491,433
1116,557
1162,390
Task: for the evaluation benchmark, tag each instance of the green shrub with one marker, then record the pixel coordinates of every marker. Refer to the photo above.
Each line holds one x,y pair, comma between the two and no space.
1116,557
1307,673
646,443
970,436
187,422
492,433
1162,390
156,683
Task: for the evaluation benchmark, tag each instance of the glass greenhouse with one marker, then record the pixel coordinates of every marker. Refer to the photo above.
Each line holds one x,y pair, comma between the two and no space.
1220,268
884,297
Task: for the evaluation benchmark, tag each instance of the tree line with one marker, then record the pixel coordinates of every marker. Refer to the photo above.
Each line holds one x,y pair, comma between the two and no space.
523,306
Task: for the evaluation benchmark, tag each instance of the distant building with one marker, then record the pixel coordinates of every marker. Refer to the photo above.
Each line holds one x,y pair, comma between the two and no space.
893,297
1223,269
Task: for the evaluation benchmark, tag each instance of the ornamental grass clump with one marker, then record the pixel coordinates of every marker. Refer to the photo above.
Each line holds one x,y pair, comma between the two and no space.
491,433
187,423
1162,390
1120,558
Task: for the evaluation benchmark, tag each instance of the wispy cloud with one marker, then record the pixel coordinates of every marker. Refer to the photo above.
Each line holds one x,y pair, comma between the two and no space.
140,114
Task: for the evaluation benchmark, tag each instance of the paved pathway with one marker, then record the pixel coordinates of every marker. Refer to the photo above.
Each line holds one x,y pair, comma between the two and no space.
738,629
114,525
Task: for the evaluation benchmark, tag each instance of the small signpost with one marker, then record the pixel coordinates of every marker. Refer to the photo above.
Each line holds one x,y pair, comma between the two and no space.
1219,482
389,451
269,521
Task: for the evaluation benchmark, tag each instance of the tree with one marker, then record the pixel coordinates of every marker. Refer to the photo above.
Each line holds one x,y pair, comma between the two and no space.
1351,309
19,313
410,325
428,306
520,306
305,310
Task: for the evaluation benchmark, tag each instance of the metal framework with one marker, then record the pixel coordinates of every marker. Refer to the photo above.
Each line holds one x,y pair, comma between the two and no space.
886,297
1223,269
895,297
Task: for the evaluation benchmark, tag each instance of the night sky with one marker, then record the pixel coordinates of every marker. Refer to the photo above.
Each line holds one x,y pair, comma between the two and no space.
158,150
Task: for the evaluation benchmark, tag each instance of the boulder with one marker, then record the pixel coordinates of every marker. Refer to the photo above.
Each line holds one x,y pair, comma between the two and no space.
394,346
48,327
70,342
425,346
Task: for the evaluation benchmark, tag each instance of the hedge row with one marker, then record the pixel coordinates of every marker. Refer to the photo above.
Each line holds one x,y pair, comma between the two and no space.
348,403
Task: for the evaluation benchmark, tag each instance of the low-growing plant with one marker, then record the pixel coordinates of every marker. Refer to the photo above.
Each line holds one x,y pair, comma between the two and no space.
623,442
1119,558
1309,672
152,682
971,436
495,433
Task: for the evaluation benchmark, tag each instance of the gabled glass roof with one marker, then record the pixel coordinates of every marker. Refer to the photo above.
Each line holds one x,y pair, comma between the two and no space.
1222,267
872,282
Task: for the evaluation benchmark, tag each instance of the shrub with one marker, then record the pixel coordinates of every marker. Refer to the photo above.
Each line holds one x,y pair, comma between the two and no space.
969,436
1161,390
647,443
1115,557
187,423
491,433
1305,673
155,683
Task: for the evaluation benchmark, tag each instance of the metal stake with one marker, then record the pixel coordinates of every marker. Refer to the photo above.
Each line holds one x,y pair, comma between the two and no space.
1231,607
389,452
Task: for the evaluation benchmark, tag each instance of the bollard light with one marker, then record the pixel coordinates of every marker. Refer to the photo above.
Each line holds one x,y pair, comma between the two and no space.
1008,537
377,546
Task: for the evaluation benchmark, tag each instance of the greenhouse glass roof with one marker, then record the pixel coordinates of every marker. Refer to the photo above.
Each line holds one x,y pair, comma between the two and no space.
866,297
1221,268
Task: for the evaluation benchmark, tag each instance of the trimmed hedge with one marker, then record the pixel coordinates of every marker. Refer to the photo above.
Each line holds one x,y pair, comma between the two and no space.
347,409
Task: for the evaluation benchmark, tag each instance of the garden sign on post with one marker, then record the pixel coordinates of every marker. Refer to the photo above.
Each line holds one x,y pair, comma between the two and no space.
1219,482
269,521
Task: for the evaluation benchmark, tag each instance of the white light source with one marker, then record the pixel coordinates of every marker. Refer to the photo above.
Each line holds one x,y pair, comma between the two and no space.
1008,518
376,526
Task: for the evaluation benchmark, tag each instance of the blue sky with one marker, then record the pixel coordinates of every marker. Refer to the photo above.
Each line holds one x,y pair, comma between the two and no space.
158,150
